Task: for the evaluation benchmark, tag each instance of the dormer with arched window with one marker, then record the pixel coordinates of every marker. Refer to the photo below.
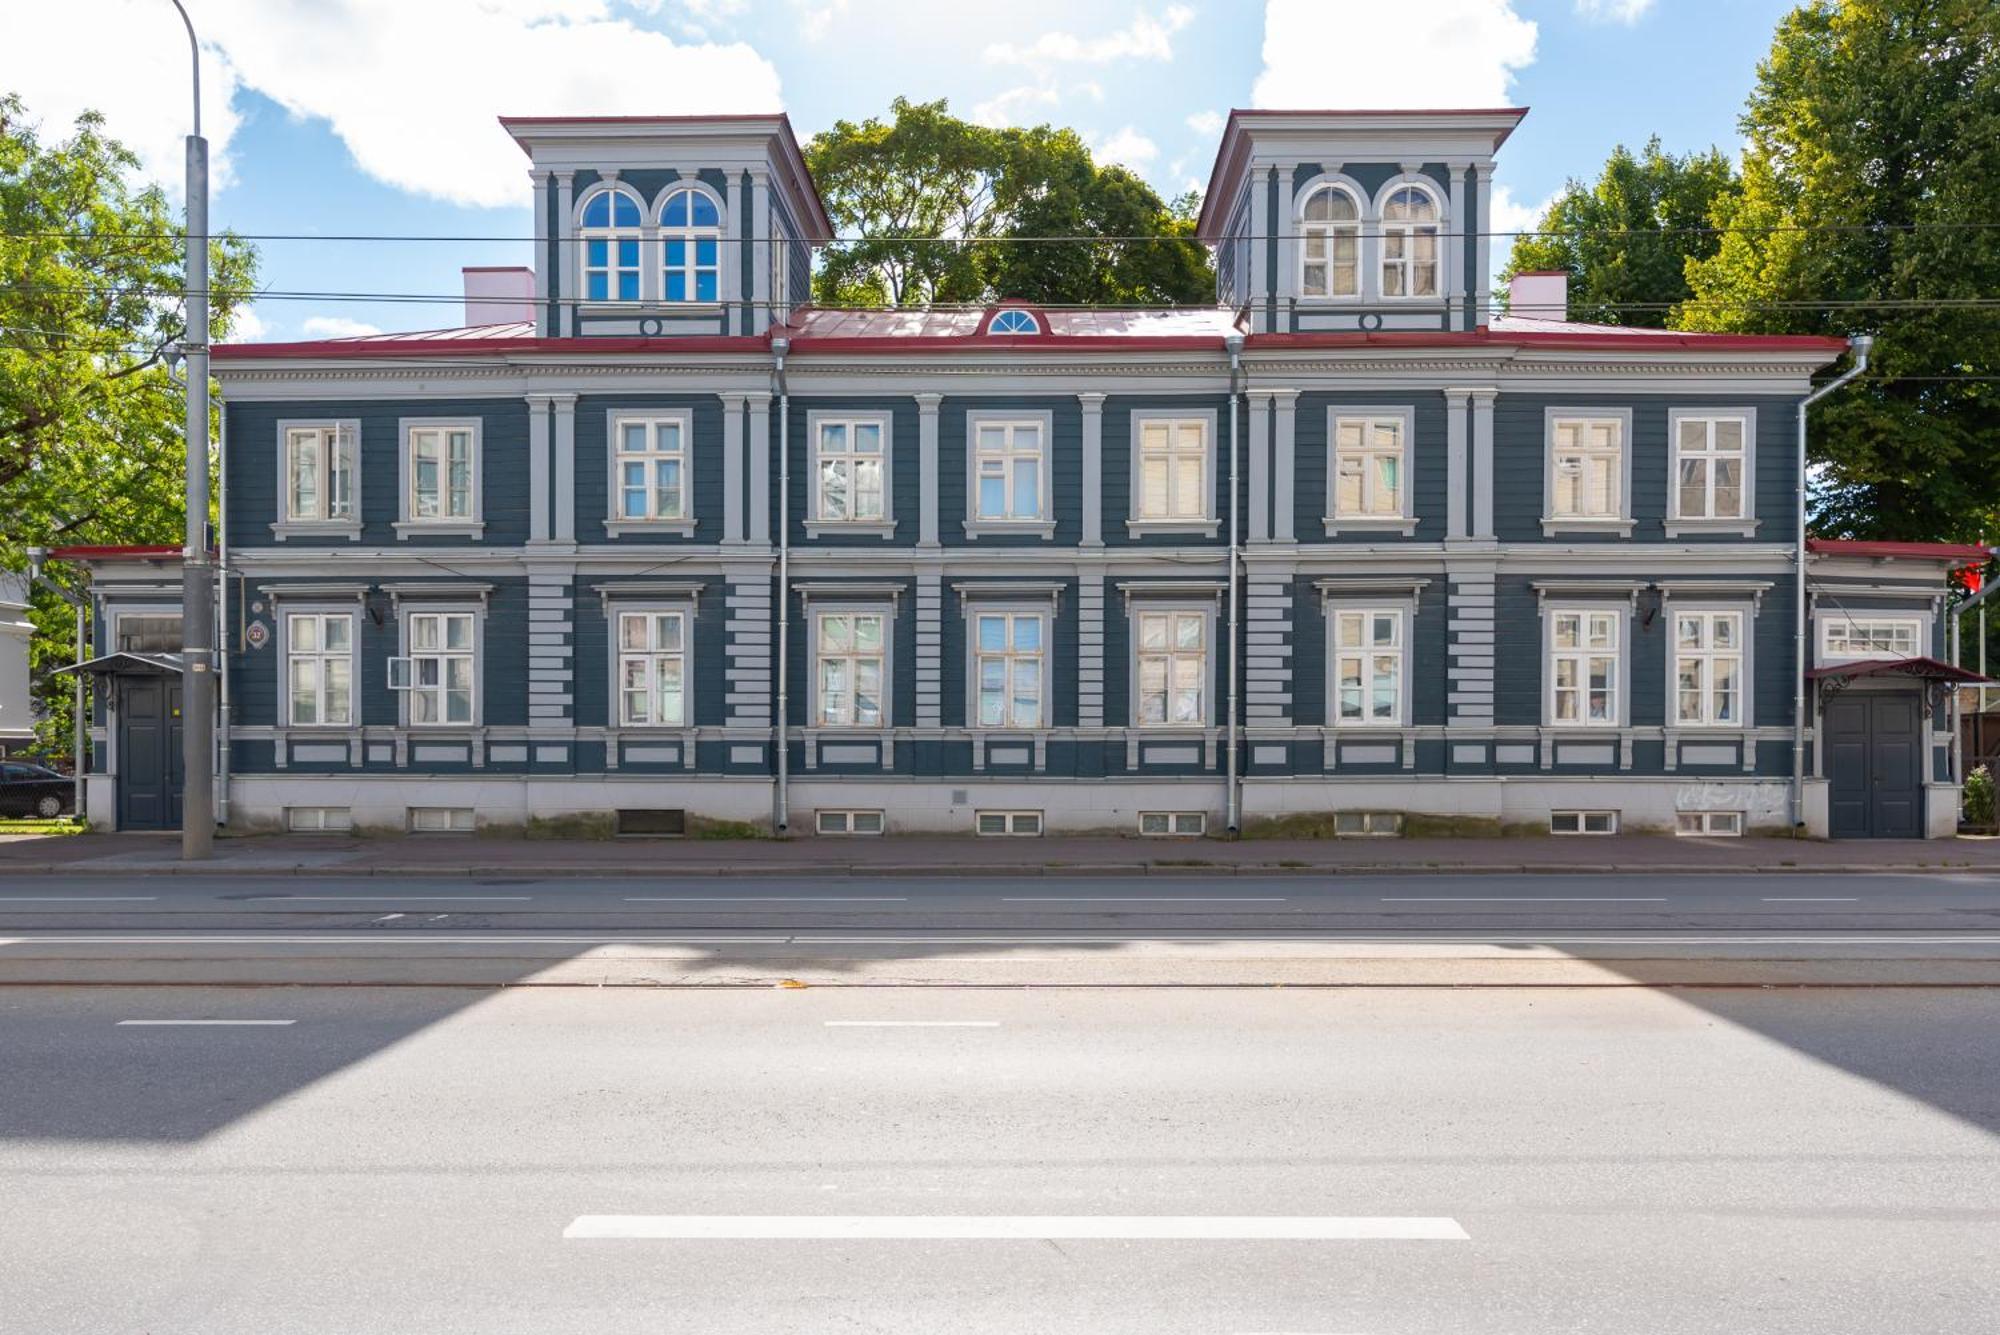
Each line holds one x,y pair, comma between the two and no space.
1411,254
690,246
610,244
1330,243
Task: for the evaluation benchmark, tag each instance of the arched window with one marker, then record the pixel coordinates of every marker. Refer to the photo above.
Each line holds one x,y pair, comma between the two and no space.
1410,243
690,237
610,235
1014,322
1330,256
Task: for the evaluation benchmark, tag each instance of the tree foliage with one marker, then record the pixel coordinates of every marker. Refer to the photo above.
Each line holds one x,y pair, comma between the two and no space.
1871,186
1625,241
894,189
91,423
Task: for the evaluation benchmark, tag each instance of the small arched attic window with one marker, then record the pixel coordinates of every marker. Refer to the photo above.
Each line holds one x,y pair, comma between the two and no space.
690,240
610,230
1014,322
1330,253
1410,243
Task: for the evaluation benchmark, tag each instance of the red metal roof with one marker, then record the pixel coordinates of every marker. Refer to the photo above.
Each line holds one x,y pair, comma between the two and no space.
113,553
1929,669
1909,551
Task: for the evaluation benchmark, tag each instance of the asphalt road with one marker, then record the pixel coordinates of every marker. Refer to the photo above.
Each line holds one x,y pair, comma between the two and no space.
412,1159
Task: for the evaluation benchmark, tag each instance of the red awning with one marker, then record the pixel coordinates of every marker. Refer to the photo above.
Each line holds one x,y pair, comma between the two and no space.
1924,669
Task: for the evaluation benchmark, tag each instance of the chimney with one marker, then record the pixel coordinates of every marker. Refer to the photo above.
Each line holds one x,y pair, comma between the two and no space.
499,295
1539,294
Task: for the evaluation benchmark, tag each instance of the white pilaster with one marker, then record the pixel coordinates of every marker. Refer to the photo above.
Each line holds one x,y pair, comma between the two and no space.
538,468
1260,465
540,231
761,314
731,255
927,469
732,468
565,467
1482,462
1090,650
564,279
1482,297
1093,468
1457,484
1454,248
759,443
1284,423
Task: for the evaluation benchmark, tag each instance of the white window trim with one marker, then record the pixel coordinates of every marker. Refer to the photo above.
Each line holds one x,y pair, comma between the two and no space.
643,233
1678,523
1621,523
406,524
284,526
477,610
1746,615
1621,611
1825,619
284,611
114,613
659,234
1405,520
886,525
976,527
1034,321
1440,298
1406,611
614,608
1209,522
653,249
971,606
1359,198
616,524
1140,606
863,607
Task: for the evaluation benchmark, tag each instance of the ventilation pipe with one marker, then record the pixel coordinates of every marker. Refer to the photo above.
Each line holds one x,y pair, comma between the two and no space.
1859,345
781,813
1234,817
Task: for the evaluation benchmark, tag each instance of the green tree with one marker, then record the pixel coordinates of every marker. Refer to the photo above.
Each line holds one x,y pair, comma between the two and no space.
896,189
91,422
1625,241
1868,203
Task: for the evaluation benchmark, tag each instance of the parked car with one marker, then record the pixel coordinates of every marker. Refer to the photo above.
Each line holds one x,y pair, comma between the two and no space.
34,790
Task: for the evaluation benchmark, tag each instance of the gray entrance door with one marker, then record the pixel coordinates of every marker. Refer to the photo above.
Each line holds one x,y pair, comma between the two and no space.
1875,763
149,753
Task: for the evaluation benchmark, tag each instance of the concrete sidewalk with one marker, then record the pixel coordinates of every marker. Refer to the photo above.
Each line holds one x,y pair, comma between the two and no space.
449,856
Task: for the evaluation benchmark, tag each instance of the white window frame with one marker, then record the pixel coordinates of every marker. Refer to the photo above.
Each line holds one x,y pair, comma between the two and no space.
289,525
1678,521
322,614
977,525
1409,231
1207,522
1330,229
1173,824
1580,821
1405,618
1403,520
1014,610
470,525
1014,824
1702,824
817,522
616,611
690,235
118,615
616,520
1849,624
1706,658
407,688
1014,314
1555,522
611,235
1620,614
816,615
1145,607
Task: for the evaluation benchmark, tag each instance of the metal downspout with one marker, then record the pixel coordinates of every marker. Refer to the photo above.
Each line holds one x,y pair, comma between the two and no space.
77,720
781,795
1859,345
1234,818
221,637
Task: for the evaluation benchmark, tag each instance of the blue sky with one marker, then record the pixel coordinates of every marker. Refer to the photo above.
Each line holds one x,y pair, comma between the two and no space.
377,116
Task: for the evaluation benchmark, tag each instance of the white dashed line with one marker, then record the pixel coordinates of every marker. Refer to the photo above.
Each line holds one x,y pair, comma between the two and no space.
195,1023
912,1024
1018,1228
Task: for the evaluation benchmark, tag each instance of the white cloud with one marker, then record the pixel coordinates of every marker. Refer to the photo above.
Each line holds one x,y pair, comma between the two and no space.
1358,53
1613,11
1147,38
1511,215
1127,148
411,89
246,326
1007,107
1206,122
335,326
815,19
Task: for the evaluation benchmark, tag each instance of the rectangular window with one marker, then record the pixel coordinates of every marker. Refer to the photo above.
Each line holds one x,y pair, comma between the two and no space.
1008,661
319,669
652,669
1008,472
1348,824
441,820
1723,824
1584,669
849,822
441,473
320,474
652,464
1368,467
1368,667
1172,823
1583,822
443,664
850,664
1587,468
1173,469
851,474
1708,669
1870,637
1008,822
302,820
1710,458
1173,669
159,634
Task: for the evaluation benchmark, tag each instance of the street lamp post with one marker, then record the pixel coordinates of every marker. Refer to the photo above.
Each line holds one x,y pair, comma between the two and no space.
197,576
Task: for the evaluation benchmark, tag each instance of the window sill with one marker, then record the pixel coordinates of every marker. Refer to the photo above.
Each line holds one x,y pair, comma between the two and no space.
1742,527
1363,524
649,305
1710,729
1578,524
620,527
1140,528
1191,731
307,528
457,528
1001,528
1373,729
816,528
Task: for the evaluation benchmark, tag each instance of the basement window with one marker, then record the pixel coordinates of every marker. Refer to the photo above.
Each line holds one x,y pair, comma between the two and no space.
1715,824
440,820
1009,822
314,820
1173,823
1353,824
1583,822
659,822
849,822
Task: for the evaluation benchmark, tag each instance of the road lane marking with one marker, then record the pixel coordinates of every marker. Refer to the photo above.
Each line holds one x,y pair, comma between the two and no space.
766,899
193,1023
1812,899
1524,899
1142,899
912,1024
77,899
786,938
1018,1228
396,899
